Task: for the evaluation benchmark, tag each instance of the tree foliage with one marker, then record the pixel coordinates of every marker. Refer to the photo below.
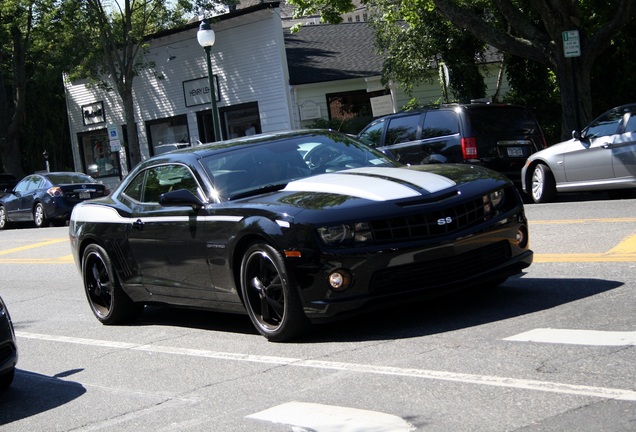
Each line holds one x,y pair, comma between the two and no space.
37,44
527,29
415,42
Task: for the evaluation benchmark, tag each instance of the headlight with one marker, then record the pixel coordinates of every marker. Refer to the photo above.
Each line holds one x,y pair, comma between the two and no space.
496,198
344,234
492,202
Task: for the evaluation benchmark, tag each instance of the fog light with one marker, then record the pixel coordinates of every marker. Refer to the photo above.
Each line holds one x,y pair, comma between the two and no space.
339,280
522,237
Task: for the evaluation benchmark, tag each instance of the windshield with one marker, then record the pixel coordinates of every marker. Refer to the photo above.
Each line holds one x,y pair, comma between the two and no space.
249,169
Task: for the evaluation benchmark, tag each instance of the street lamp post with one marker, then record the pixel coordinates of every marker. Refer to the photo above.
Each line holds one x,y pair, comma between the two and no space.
206,38
45,153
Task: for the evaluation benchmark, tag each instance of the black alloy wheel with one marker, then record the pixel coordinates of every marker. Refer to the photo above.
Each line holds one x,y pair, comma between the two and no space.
270,295
109,303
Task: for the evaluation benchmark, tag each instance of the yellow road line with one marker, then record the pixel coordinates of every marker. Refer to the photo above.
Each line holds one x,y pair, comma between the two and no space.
580,221
33,246
625,251
68,259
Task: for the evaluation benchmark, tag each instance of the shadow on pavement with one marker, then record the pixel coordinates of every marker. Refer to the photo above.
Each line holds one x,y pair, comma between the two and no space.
517,296
32,393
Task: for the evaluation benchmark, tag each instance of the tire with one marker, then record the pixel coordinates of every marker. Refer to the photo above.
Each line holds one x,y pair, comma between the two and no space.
270,295
543,184
4,222
39,216
6,379
108,301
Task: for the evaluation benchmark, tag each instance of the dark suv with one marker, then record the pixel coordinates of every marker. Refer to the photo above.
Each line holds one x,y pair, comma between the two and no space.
497,136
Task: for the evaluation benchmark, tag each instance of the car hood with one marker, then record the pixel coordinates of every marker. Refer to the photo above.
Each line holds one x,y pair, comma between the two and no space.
376,188
375,184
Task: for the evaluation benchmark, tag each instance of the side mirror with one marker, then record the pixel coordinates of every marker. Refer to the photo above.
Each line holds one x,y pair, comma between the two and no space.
180,197
576,134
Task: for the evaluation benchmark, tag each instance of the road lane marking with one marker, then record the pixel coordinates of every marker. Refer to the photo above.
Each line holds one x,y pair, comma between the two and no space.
580,221
33,246
625,251
330,418
577,337
66,259
486,380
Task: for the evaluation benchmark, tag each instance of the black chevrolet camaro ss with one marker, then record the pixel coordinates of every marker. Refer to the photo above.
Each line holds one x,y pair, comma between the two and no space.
293,228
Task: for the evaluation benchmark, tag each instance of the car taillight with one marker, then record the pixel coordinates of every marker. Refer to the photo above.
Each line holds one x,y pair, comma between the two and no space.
469,148
55,191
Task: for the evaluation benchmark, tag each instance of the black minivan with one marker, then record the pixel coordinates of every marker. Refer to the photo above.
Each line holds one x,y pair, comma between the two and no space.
497,136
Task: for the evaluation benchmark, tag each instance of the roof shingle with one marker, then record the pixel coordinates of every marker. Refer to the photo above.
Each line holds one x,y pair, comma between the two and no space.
329,52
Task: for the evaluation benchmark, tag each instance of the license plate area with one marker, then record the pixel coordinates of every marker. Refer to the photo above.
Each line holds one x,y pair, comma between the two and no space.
514,148
514,151
84,195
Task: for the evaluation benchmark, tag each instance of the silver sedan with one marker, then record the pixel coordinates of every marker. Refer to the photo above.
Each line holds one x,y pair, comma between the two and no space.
600,158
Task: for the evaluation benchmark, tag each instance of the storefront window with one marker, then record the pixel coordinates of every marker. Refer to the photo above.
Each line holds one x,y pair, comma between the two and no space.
168,134
99,160
236,121
241,120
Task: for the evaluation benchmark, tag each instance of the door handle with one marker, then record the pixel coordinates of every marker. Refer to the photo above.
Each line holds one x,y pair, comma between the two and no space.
138,225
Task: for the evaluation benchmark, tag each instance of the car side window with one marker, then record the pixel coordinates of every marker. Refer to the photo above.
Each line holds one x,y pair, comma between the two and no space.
402,129
167,178
23,185
38,183
133,191
439,123
605,125
631,124
372,136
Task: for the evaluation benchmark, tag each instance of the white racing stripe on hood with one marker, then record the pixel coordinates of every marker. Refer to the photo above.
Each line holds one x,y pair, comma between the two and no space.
372,183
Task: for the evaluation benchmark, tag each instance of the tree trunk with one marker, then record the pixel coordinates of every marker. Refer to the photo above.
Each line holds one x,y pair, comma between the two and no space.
13,122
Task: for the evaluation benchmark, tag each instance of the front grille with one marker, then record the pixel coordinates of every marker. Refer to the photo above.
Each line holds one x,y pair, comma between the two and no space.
441,271
438,222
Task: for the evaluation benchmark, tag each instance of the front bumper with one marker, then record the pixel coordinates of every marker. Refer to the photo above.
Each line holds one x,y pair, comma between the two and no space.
400,275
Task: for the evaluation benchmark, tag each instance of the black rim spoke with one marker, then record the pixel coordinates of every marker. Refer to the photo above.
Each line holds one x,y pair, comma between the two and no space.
266,282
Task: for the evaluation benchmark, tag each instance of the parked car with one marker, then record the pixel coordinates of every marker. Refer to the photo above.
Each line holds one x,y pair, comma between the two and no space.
251,226
497,136
49,197
7,182
8,348
600,158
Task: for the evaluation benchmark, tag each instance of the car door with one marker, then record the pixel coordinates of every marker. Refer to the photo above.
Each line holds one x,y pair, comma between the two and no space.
11,201
624,148
28,196
440,139
169,243
401,137
590,157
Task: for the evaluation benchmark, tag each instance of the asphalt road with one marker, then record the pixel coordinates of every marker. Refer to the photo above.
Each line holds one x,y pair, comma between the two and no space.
551,350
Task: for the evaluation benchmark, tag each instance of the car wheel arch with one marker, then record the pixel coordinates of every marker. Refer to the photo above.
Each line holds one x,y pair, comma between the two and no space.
530,169
238,249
